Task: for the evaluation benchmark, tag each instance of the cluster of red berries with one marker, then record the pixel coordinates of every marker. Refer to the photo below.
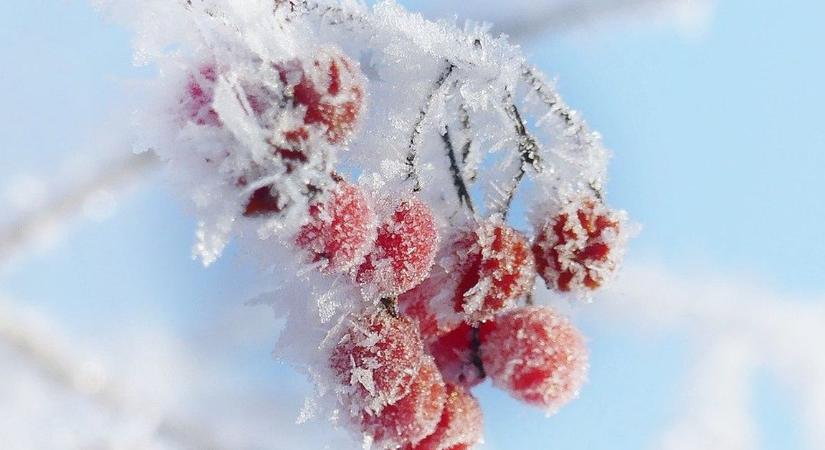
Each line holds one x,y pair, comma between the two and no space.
316,101
407,373
405,366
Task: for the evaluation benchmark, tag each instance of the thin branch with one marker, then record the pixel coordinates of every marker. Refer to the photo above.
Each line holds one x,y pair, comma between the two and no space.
556,106
412,151
528,148
333,14
584,138
16,235
458,179
464,115
475,351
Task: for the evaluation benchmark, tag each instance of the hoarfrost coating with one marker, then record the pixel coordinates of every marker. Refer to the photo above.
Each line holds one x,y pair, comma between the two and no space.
268,114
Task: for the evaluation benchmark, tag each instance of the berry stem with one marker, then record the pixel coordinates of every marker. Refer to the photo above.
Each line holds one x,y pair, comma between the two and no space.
391,306
475,348
464,114
528,151
584,138
412,152
458,179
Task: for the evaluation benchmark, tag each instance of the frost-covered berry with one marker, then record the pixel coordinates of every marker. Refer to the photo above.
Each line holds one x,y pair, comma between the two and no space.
331,90
339,229
456,354
200,91
377,358
404,250
580,247
460,426
413,417
536,355
430,304
496,268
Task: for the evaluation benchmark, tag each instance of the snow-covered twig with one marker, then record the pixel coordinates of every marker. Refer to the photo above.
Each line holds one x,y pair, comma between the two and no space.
529,152
19,233
458,179
412,151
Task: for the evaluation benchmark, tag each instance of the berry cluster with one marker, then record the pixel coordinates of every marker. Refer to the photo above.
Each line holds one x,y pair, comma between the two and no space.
463,323
303,109
443,314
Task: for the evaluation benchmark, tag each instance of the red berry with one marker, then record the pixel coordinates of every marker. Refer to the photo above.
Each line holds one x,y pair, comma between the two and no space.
412,418
536,355
378,356
456,354
331,90
404,250
496,269
460,426
430,304
580,247
338,231
200,91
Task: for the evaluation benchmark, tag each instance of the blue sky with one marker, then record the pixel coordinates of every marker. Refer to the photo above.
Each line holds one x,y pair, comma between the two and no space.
718,146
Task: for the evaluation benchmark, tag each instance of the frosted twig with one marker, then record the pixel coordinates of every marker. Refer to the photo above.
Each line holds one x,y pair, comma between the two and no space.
412,152
464,115
458,179
528,153
16,235
334,15
585,139
43,352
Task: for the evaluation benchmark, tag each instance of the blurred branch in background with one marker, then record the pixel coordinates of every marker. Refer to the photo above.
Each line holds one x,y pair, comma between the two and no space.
63,205
739,328
32,342
526,19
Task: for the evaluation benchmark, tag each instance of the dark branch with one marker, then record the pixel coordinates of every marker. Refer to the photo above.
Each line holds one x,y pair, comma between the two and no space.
528,152
458,179
412,152
475,350
465,149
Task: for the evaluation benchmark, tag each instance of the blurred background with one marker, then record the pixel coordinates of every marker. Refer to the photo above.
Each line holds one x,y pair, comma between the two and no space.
113,337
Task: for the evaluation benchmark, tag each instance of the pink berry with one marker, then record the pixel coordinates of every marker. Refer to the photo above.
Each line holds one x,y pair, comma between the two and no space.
413,417
332,91
496,269
338,232
378,356
404,250
456,354
580,247
200,91
460,427
536,355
